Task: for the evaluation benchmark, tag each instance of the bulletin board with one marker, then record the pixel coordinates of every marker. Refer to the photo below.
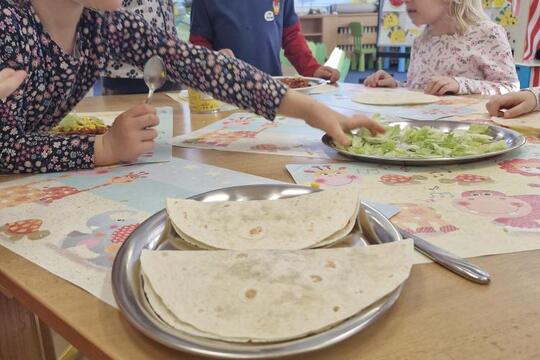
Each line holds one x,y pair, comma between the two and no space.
395,26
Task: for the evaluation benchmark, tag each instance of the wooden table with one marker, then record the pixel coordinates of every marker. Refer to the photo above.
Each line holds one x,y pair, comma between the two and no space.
438,317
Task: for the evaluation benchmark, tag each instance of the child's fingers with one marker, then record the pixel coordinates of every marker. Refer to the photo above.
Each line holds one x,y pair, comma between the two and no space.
335,76
387,82
148,134
494,105
520,109
436,87
369,81
336,132
359,121
502,102
428,89
145,121
146,146
445,89
138,110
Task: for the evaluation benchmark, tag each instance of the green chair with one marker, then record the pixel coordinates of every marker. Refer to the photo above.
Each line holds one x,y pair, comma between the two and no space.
360,51
317,49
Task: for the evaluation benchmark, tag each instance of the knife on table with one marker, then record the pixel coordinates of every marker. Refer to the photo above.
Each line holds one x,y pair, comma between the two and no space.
450,261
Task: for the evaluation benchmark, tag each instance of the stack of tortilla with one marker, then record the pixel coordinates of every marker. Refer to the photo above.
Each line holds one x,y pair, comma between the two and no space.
309,221
394,97
269,295
269,286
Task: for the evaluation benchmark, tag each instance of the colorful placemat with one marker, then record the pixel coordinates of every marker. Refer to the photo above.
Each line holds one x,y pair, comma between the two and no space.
483,208
245,132
72,224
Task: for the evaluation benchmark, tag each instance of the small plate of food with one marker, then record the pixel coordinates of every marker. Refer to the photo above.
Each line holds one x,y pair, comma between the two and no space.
300,83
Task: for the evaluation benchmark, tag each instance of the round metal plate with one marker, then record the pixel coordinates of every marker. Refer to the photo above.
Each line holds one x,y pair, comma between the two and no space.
513,139
127,283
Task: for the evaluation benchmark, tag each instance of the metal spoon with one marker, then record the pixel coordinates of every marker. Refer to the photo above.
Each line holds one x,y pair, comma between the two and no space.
450,261
154,75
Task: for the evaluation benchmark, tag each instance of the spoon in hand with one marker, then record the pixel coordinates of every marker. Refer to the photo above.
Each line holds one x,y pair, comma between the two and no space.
154,75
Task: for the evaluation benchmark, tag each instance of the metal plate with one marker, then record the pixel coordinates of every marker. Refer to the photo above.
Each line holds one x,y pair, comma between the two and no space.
513,139
127,283
313,81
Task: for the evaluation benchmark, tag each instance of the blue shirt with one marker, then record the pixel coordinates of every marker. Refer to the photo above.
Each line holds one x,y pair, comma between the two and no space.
252,29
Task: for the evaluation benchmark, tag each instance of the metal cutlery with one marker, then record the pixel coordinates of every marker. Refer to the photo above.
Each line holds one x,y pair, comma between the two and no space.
444,258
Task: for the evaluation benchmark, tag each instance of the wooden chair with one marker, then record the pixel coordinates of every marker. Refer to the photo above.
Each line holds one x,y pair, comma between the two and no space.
360,51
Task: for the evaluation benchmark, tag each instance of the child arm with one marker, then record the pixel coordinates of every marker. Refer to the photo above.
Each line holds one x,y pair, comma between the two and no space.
515,103
22,151
536,92
26,145
223,77
493,55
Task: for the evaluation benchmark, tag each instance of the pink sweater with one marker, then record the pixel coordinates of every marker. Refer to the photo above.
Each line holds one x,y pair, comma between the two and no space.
479,60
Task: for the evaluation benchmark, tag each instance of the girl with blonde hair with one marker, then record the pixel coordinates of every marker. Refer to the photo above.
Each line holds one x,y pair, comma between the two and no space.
461,51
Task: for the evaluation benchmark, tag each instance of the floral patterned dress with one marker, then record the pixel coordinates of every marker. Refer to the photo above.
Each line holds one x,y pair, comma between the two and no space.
159,14
480,60
57,81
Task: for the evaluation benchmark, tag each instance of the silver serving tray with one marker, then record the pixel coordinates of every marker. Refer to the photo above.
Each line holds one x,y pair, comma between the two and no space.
129,295
513,139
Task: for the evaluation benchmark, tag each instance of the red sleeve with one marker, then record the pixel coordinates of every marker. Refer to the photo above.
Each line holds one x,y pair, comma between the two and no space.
201,41
297,50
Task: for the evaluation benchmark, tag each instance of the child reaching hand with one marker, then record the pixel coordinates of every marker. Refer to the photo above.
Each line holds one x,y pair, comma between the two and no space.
65,45
460,51
516,104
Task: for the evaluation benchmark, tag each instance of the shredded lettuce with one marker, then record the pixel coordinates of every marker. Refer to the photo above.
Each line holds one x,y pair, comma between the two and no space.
425,142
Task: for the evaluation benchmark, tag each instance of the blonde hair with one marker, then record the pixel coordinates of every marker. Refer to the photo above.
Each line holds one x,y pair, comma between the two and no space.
467,13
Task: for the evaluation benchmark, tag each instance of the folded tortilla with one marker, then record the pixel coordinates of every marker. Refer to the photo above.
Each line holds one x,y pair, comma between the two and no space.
270,295
306,221
527,124
394,97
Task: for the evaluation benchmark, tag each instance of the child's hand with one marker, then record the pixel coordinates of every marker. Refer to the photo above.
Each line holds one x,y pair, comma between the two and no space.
517,103
381,79
128,138
327,73
227,52
441,85
10,80
297,105
335,124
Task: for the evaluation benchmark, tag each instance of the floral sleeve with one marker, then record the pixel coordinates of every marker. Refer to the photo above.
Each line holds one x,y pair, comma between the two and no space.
25,143
22,152
133,41
494,57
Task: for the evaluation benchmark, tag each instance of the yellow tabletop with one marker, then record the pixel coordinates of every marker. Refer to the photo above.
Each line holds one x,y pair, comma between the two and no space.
439,316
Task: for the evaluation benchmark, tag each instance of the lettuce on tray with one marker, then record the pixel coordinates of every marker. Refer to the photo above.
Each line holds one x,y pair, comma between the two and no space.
424,142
